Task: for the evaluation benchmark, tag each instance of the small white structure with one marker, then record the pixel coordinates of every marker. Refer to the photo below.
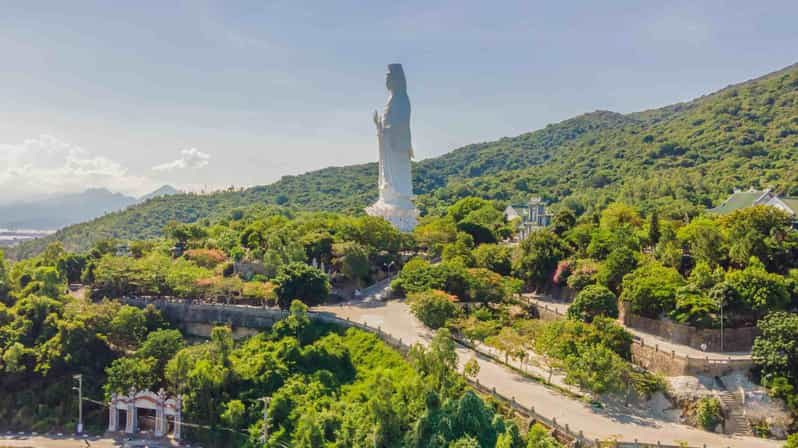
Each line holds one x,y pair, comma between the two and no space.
164,407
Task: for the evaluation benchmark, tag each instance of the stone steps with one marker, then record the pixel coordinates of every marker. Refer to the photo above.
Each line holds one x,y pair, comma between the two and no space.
736,421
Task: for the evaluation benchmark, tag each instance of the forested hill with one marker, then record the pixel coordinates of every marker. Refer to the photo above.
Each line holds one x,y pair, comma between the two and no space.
680,158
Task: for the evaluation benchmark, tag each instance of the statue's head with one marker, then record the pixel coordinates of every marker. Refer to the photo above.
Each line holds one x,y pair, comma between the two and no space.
395,78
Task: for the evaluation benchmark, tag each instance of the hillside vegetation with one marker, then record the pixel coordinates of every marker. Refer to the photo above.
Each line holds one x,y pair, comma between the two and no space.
678,159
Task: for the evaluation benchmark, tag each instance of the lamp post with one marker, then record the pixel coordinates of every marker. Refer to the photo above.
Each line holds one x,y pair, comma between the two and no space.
79,388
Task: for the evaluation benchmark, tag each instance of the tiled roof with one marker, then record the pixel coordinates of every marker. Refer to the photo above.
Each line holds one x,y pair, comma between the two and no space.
737,201
792,203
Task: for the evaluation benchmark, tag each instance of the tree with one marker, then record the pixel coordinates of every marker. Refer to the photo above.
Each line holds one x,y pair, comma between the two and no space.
495,257
460,249
704,241
471,368
594,300
597,369
161,345
4,285
353,259
303,282
538,258
651,289
758,289
128,327
433,233
775,350
234,414
433,307
792,441
762,232
620,262
485,286
563,221
653,229
539,437
127,372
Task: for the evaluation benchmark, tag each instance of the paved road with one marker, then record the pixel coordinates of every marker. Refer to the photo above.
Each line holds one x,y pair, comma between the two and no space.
394,318
648,339
19,441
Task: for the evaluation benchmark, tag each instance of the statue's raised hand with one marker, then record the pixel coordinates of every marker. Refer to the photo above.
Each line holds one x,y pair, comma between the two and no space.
377,120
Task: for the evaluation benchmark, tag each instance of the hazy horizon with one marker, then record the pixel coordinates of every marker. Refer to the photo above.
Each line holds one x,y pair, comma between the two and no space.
209,94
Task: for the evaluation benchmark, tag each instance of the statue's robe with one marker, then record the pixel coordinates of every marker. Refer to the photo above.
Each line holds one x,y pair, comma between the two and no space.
395,151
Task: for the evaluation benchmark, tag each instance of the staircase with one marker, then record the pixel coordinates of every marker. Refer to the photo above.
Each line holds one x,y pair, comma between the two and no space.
736,422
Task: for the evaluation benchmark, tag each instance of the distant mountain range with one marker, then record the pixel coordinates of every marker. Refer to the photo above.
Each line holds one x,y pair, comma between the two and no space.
679,159
60,211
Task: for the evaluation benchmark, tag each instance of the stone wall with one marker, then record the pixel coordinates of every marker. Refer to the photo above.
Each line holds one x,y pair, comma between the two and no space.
734,339
671,364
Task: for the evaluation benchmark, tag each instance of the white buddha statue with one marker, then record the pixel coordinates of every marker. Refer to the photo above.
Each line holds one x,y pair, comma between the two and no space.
395,179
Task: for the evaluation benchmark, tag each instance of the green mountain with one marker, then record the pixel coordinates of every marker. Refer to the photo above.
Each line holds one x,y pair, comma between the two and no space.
679,159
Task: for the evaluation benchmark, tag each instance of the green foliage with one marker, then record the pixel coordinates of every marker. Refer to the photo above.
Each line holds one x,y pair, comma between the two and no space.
538,257
619,262
760,232
129,327
583,274
594,300
704,240
433,307
598,369
353,259
126,373
460,250
538,437
758,290
497,258
303,282
708,413
775,351
651,289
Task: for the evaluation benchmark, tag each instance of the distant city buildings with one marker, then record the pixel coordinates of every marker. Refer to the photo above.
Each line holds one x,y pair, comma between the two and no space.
743,199
533,215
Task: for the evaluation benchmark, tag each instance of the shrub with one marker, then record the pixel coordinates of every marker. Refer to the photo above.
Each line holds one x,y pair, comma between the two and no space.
708,413
594,300
206,258
433,307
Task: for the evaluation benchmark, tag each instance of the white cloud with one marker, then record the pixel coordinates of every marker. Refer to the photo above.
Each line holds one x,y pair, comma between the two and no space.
45,165
189,158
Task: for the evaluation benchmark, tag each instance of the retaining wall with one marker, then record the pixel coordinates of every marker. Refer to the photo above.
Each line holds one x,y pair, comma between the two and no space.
734,339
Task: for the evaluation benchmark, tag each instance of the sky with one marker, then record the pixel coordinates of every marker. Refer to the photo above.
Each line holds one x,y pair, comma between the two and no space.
206,94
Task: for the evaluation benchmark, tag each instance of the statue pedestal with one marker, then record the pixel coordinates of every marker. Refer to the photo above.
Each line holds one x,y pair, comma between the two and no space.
403,215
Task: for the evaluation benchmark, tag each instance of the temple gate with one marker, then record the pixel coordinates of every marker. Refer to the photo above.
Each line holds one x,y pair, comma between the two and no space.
164,408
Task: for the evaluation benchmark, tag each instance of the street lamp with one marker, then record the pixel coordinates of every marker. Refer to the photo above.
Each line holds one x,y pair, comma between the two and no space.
79,388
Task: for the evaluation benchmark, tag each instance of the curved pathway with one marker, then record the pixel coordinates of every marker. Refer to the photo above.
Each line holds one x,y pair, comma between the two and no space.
394,318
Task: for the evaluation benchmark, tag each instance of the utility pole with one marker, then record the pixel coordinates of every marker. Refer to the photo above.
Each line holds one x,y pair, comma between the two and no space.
266,401
79,377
